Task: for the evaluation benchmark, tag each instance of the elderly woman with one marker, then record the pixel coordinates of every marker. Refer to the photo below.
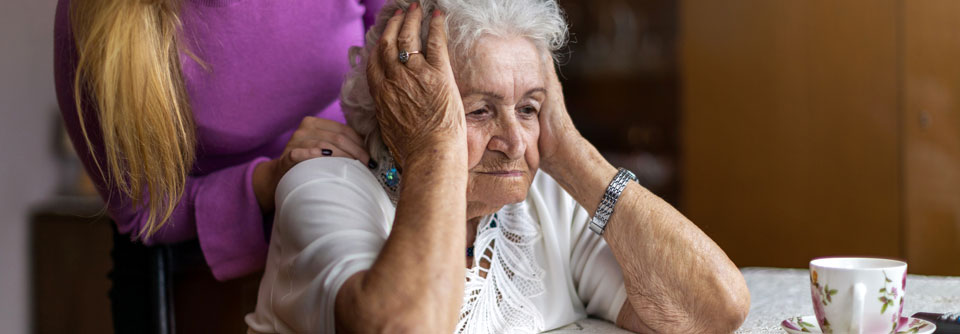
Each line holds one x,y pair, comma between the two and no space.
489,213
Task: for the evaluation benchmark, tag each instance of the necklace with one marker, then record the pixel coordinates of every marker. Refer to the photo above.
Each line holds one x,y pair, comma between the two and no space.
389,176
493,224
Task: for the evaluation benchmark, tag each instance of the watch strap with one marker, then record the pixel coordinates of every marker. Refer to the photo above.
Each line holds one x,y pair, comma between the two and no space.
598,223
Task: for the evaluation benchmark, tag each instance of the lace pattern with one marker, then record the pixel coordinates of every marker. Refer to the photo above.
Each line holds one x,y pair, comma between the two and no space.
497,298
392,188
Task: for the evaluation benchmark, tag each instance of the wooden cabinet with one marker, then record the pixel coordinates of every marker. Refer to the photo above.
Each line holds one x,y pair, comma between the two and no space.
70,261
619,76
930,124
71,248
821,127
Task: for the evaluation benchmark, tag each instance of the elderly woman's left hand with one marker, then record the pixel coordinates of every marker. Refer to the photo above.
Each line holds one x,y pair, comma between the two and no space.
559,139
641,229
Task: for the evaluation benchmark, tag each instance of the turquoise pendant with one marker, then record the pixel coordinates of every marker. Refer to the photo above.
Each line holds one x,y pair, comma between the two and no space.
391,178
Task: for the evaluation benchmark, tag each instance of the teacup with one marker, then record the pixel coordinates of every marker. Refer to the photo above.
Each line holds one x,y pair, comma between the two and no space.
857,295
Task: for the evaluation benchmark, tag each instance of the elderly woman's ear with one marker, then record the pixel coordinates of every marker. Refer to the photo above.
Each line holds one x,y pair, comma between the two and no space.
418,103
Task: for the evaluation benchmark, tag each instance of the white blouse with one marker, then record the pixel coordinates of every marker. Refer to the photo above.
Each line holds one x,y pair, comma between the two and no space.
333,216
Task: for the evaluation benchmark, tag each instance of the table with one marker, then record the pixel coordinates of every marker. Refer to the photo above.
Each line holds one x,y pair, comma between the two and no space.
777,294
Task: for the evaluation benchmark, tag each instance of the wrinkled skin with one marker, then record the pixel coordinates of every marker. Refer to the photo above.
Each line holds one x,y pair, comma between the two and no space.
502,93
418,103
668,263
556,128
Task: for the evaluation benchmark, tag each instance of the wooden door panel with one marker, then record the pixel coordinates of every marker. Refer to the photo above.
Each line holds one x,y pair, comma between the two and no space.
932,136
790,127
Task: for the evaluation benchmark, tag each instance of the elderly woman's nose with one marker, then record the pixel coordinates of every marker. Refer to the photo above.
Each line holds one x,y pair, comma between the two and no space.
508,139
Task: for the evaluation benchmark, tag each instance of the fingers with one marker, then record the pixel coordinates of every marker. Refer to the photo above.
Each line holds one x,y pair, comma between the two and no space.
436,52
302,150
353,150
386,50
388,40
299,155
317,137
322,124
302,154
350,134
334,142
409,37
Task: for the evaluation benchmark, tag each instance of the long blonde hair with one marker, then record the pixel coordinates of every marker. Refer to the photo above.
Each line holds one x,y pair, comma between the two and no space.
129,72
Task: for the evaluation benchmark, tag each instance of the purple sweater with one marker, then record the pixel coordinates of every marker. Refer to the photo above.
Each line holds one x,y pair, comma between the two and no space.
271,63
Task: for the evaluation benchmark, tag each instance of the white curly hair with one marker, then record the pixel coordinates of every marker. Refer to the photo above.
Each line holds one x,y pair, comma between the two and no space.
542,22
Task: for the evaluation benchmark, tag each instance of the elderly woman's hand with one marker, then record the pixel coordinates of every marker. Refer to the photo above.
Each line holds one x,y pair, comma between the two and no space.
559,140
418,103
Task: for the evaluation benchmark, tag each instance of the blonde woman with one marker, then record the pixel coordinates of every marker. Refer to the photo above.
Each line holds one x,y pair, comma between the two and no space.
193,109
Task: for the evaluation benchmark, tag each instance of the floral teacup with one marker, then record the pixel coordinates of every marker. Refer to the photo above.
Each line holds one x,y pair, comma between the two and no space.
857,295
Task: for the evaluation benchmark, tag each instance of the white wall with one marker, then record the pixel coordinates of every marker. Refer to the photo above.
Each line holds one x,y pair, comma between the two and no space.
27,170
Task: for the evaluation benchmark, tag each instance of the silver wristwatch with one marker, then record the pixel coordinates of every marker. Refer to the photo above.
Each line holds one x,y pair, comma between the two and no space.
599,220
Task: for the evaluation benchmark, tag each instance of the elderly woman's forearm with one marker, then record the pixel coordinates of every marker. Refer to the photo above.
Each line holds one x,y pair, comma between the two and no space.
583,172
676,276
417,281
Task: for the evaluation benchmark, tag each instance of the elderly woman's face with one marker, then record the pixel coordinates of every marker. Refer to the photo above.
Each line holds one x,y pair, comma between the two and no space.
502,93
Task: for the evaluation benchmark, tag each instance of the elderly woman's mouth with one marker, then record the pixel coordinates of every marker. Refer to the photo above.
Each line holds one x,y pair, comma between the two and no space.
504,173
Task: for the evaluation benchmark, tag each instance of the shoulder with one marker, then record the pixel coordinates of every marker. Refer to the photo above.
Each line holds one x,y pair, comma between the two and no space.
326,196
545,190
64,57
331,178
554,206
63,47
326,170
62,17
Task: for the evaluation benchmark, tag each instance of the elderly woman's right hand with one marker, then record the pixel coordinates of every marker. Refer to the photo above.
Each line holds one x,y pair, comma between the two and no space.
418,103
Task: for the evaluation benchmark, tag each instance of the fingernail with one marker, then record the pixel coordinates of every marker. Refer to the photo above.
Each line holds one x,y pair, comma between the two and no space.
413,6
398,12
326,152
436,12
372,164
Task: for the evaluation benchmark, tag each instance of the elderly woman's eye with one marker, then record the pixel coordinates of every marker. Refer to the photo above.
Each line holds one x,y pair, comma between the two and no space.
478,112
529,110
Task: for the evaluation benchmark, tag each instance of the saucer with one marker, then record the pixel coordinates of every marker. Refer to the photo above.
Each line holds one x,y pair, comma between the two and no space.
808,324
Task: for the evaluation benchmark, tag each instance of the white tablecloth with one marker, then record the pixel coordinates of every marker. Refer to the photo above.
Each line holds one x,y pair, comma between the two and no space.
777,294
